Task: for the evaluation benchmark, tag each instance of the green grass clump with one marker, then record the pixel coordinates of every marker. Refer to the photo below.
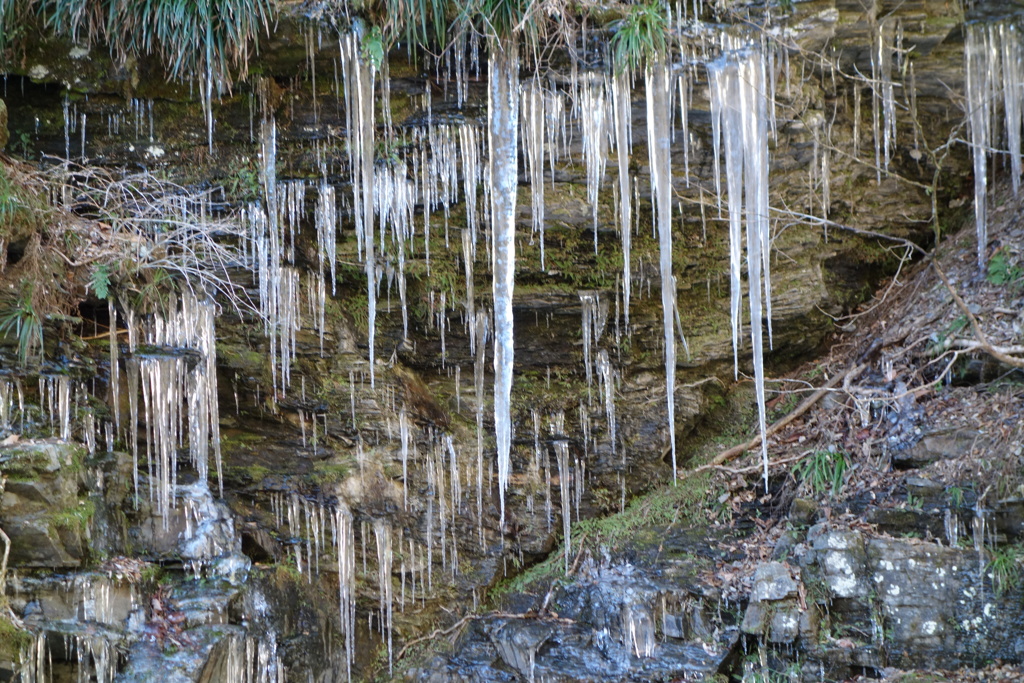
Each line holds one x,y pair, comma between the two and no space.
640,36
822,471
21,320
1004,567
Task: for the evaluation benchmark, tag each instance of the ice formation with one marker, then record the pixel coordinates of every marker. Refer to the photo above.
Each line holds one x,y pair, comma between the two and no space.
739,105
502,114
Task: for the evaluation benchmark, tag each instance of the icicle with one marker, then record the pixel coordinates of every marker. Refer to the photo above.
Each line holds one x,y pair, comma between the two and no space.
588,312
562,458
593,115
502,115
993,56
623,144
884,81
659,147
326,230
359,79
385,559
1013,90
115,367
533,123
738,93
606,373
555,124
684,112
403,428
472,173
478,384
344,549
467,266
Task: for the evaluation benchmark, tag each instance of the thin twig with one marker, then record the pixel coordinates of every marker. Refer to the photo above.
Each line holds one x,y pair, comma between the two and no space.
758,467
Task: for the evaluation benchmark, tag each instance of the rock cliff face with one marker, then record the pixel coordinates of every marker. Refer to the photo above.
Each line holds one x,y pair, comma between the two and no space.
352,509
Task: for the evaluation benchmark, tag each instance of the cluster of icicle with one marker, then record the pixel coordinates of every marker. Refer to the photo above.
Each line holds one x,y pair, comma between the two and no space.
96,654
324,531
739,113
172,387
176,377
995,79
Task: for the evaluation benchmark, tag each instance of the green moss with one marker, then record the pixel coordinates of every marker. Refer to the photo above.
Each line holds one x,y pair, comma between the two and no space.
12,640
643,522
74,518
253,474
326,472
287,574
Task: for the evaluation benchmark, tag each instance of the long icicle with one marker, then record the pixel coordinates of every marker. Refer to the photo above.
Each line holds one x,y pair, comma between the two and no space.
659,143
359,76
623,143
502,115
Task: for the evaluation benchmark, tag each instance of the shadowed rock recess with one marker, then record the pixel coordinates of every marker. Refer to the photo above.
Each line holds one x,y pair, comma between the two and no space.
264,266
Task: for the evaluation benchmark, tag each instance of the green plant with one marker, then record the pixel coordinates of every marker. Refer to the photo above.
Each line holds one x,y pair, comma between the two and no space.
244,183
955,496
373,48
822,470
502,18
640,36
957,326
22,321
1001,271
99,281
1004,568
23,142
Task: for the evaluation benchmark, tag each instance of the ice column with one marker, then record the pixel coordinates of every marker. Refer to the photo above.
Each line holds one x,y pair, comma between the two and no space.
502,115
623,132
659,142
359,78
593,116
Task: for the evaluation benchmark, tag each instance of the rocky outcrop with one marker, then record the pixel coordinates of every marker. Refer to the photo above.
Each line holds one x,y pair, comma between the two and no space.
871,601
40,507
614,622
